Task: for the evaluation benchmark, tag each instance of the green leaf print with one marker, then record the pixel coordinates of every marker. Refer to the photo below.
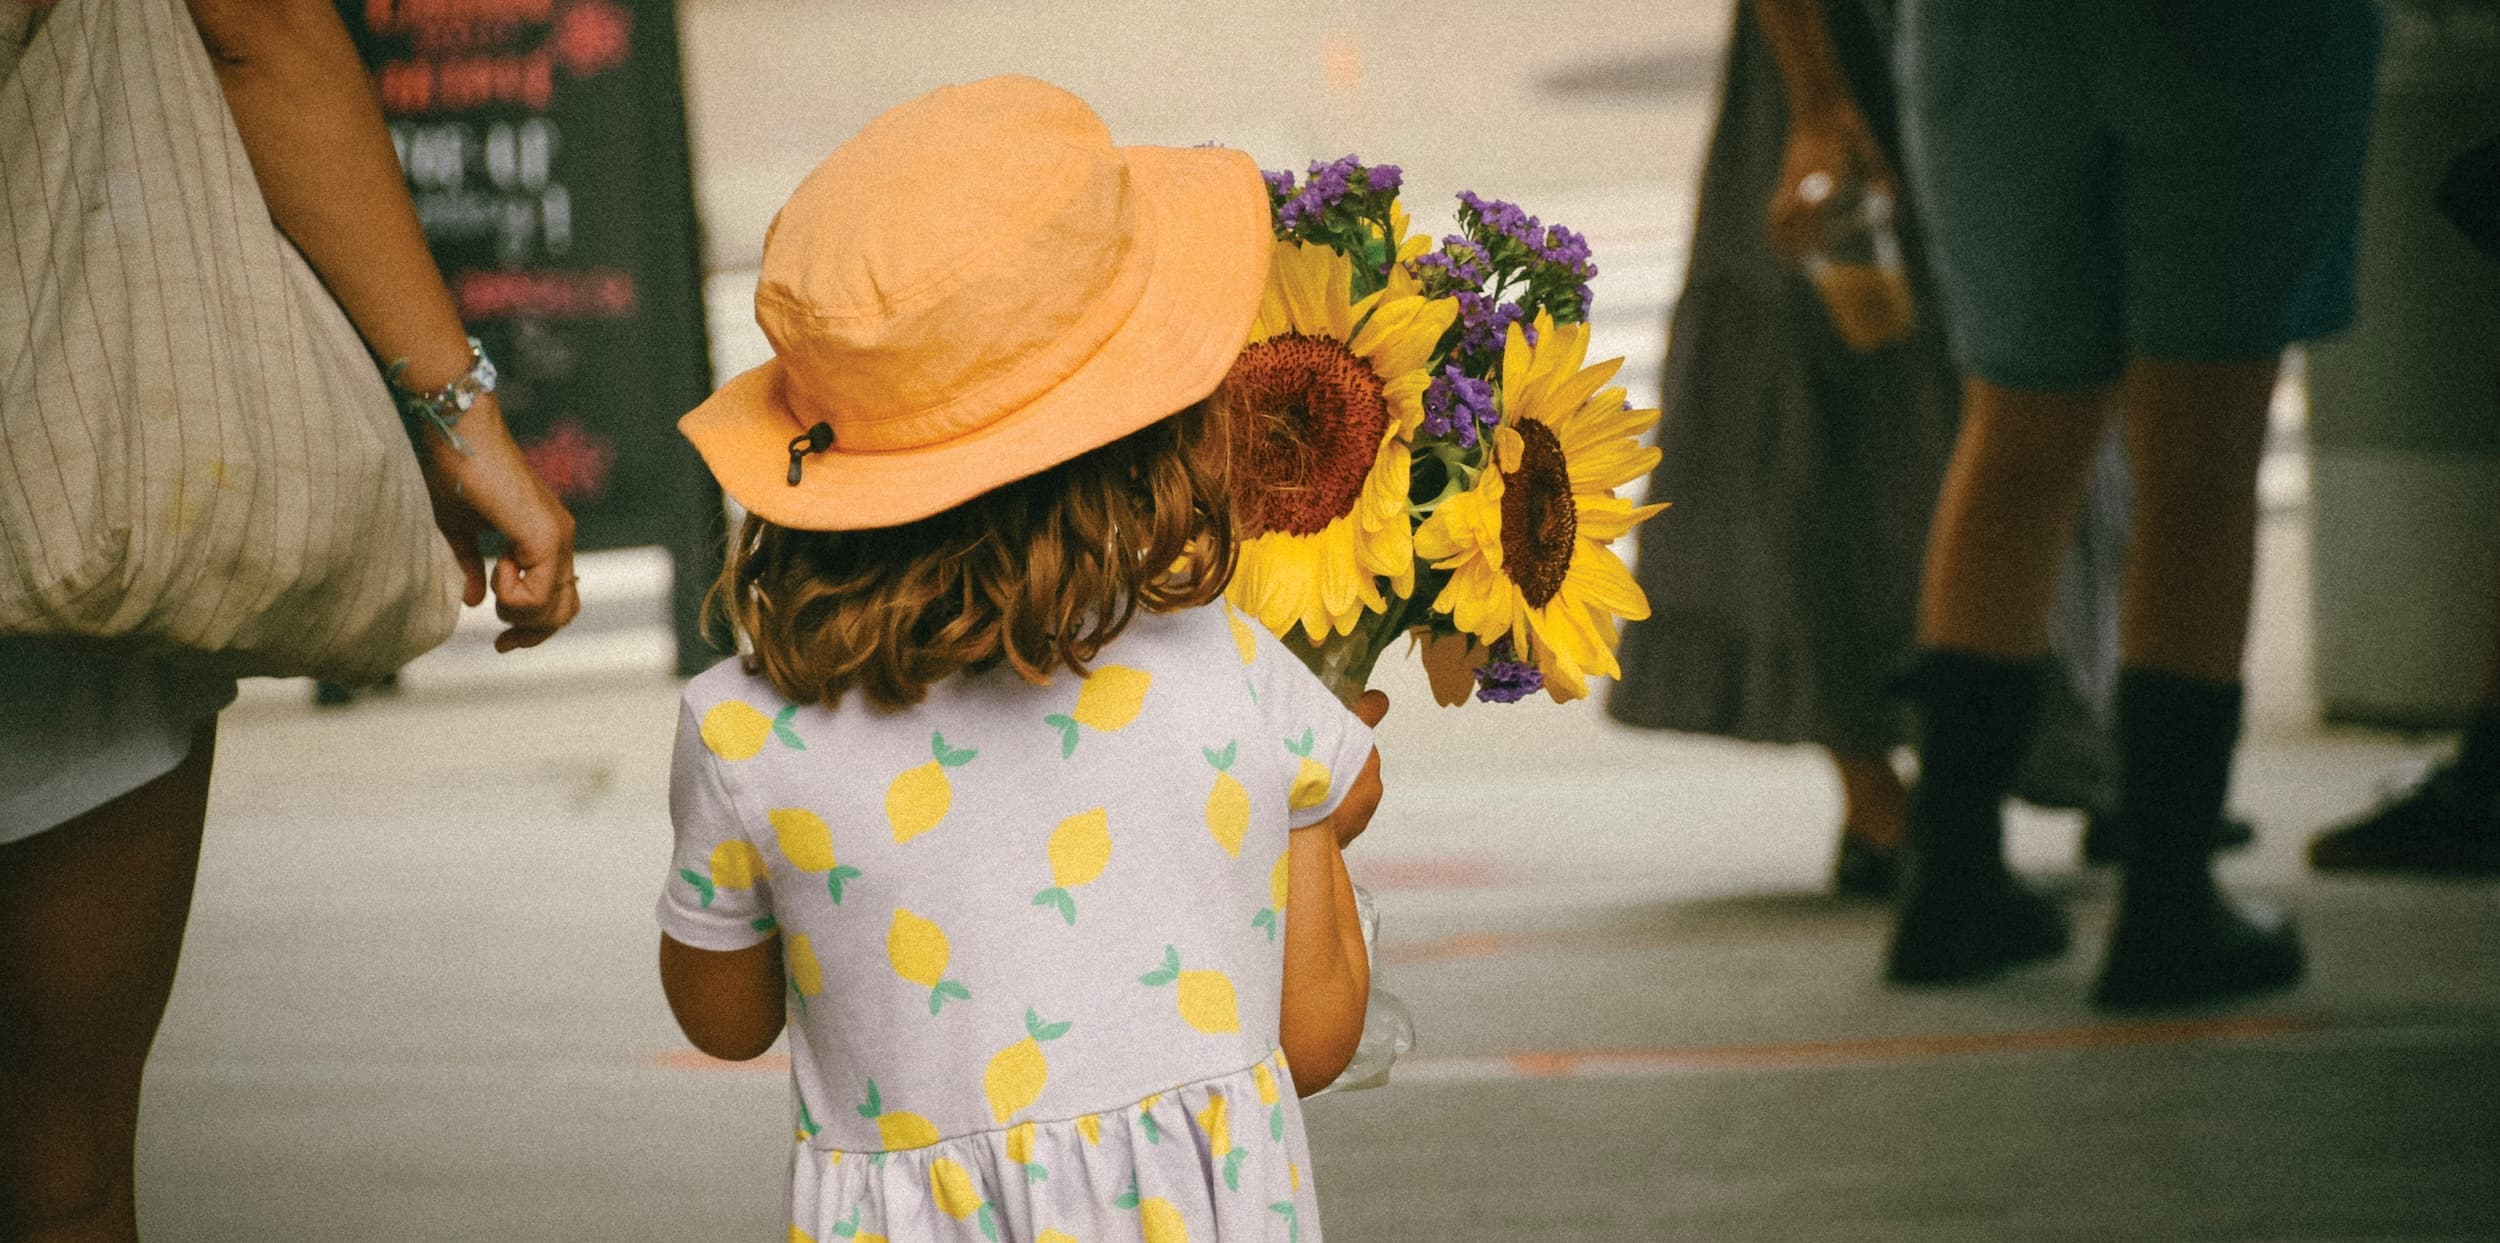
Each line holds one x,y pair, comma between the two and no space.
834,879
1293,1222
1165,974
702,885
1276,1122
763,923
1066,725
1266,920
781,729
1042,1032
989,1223
1222,760
1128,1198
807,1121
1303,746
848,1227
949,757
1232,1168
1058,899
946,990
874,1106
1034,1173
1153,1129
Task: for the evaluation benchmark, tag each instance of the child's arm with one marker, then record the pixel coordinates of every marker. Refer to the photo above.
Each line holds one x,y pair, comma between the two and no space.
728,1002
1328,977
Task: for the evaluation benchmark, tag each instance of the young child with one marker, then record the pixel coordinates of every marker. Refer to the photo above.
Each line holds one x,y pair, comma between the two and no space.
1031,844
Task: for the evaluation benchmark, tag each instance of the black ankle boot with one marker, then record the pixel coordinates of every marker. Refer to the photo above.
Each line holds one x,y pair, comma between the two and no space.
1965,917
2178,940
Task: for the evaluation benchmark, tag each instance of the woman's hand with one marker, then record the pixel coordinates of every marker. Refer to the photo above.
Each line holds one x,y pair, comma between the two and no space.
1826,150
493,488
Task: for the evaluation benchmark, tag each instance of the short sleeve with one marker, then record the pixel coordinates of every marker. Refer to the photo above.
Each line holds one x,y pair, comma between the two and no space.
1325,745
718,895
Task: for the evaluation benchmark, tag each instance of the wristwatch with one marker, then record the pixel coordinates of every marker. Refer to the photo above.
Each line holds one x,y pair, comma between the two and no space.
443,407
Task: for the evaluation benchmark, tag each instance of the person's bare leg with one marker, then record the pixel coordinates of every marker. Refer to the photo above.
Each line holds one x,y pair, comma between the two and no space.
2005,517
91,923
2196,432
1871,798
2195,435
1994,550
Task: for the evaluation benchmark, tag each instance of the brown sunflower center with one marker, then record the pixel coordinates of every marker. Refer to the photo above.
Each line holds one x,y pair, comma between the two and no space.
1307,421
1540,522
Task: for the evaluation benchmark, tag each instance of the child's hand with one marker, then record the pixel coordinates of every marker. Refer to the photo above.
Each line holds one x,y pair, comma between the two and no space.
1354,813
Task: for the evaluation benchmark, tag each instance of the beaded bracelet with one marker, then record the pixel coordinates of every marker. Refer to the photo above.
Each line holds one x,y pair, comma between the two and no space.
443,407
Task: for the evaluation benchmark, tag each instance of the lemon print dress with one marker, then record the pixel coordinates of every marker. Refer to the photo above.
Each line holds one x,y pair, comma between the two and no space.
1032,935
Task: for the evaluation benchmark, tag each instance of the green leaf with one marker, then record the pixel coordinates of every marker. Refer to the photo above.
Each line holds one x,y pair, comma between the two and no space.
834,879
702,885
1060,899
1152,1128
848,1227
762,923
1254,689
1302,748
874,1107
945,990
1034,1173
1066,725
1276,1123
949,757
989,1224
1128,1198
781,729
807,1121
1222,760
1232,1168
1265,920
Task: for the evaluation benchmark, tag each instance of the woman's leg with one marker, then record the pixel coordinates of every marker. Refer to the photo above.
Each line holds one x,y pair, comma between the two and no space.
2000,534
91,922
1872,798
2196,432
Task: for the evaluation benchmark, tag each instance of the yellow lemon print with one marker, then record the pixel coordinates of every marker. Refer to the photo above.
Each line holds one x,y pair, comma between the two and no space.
1054,1236
1228,802
1020,1151
1205,997
1216,1123
737,731
1161,1221
917,948
918,799
1090,1126
1245,640
1270,1099
807,976
800,1236
1080,848
1015,1076
1106,703
1279,880
1311,781
807,842
897,1130
735,864
958,1197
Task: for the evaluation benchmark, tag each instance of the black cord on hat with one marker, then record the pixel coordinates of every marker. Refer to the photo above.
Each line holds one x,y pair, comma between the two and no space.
816,440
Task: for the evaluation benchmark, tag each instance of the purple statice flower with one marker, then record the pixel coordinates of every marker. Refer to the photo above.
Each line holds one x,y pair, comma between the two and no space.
1457,404
1504,678
1279,183
1386,178
1483,323
1458,265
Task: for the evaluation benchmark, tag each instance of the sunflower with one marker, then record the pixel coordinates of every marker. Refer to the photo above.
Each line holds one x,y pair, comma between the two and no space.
1325,402
1526,545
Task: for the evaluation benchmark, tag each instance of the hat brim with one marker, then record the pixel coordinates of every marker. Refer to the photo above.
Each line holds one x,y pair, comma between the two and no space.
1203,228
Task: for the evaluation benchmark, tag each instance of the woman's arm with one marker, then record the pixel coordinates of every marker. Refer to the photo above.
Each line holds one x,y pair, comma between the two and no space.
313,128
1826,131
727,1002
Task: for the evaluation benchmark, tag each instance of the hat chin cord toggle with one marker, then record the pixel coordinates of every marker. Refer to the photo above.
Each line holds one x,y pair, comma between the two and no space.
816,439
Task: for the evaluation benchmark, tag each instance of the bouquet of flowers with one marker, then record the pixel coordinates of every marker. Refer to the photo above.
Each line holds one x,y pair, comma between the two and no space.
1419,450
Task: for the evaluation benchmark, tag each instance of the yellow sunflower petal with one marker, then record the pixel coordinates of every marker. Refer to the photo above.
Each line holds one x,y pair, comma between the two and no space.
1400,334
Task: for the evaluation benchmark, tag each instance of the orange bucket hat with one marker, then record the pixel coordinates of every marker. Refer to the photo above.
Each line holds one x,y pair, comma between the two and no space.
975,288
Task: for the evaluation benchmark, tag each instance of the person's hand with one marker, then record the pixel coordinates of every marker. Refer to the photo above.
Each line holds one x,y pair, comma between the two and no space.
1354,812
1825,152
493,488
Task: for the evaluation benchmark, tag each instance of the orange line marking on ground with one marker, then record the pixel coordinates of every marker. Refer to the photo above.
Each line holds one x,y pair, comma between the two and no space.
688,1059
1549,1064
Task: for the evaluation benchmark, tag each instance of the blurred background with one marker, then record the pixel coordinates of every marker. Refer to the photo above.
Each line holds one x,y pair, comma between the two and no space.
418,1000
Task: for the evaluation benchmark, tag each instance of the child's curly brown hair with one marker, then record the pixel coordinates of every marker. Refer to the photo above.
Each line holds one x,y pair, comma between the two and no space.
1040,574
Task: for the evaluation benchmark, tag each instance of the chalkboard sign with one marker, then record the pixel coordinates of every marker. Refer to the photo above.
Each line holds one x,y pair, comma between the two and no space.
545,146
